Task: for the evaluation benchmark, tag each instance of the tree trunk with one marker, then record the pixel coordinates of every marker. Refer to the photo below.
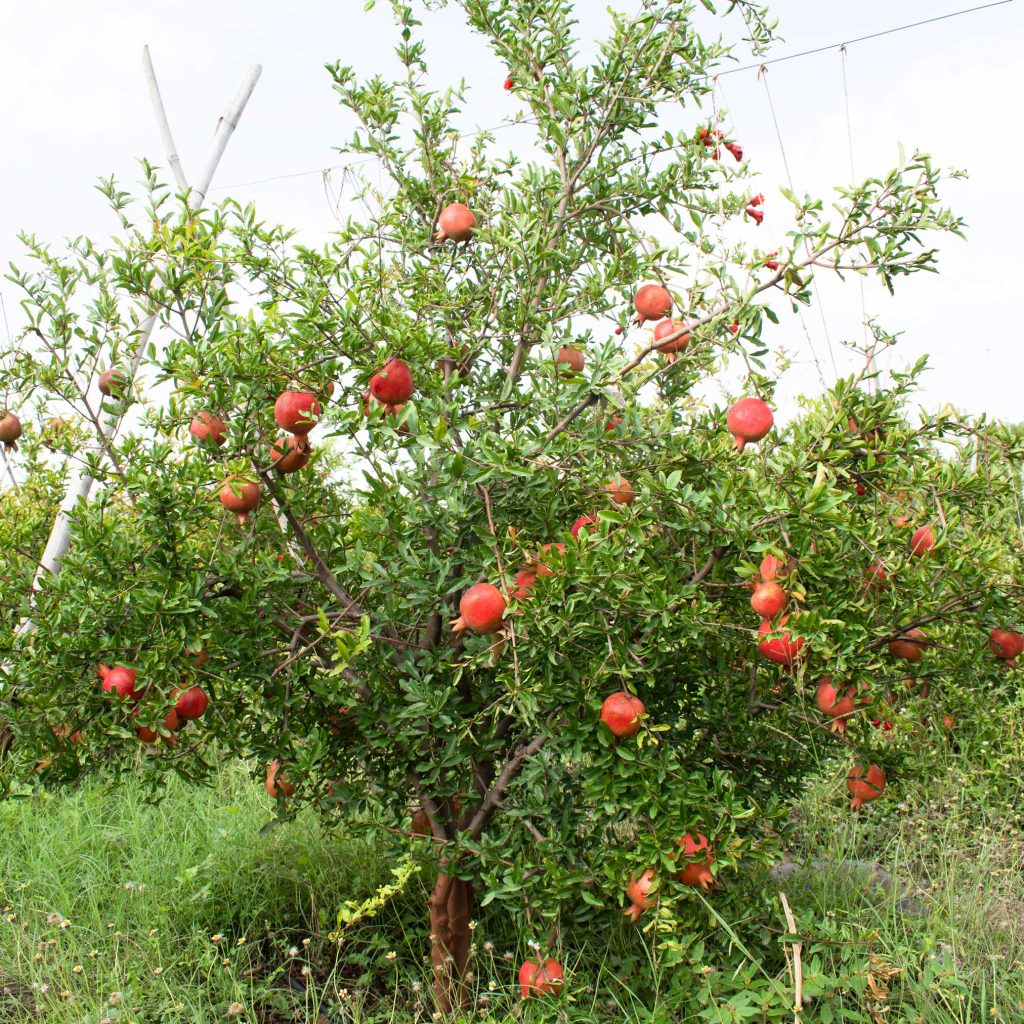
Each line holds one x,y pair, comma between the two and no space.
450,906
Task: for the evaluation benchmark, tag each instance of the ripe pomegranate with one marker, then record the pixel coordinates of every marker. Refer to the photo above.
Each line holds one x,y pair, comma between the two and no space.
191,703
277,782
637,892
769,600
571,358
783,649
698,872
10,431
540,979
622,713
582,523
113,382
909,646
652,302
876,577
537,563
620,490
289,453
865,786
297,411
525,582
148,735
119,680
839,707
240,496
671,348
456,222
749,419
199,658
393,384
1006,645
481,609
922,541
208,427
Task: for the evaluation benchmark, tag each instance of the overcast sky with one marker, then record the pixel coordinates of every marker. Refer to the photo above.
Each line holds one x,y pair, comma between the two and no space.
74,106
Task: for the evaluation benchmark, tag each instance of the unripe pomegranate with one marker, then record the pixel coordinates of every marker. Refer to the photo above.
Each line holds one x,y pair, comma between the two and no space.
572,359
297,411
10,431
191,703
119,680
55,429
922,541
769,600
582,523
637,892
148,735
540,979
865,786
240,496
1006,645
666,328
393,384
113,382
783,649
698,872
620,490
623,714
909,646
288,454
749,419
209,427
481,609
526,580
456,222
839,707
277,783
652,302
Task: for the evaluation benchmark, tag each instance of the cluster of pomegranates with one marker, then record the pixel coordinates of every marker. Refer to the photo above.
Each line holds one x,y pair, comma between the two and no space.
696,872
769,600
190,703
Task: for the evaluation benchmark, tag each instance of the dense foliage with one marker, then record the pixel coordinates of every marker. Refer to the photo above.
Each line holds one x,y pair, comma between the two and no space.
326,615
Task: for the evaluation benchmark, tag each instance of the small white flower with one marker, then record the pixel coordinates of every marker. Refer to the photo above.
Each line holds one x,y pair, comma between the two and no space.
391,955
54,918
293,951
304,972
235,1009
488,947
416,986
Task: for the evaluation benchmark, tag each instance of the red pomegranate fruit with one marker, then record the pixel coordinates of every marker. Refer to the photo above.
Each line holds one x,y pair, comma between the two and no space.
526,580
749,419
191,703
839,706
537,563
623,714
393,384
769,600
922,541
456,222
570,359
698,872
876,577
652,302
865,785
240,496
544,979
909,645
148,735
669,327
637,893
582,524
113,382
783,648
1006,645
208,427
290,453
10,431
277,783
298,412
119,680
481,609
620,490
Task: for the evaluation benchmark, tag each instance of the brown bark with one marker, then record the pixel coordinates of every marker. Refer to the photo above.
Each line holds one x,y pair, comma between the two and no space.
450,907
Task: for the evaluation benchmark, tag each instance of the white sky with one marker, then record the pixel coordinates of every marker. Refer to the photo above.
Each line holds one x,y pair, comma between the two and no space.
74,106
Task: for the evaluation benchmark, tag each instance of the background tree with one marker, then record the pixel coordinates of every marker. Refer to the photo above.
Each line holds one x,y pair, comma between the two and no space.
319,627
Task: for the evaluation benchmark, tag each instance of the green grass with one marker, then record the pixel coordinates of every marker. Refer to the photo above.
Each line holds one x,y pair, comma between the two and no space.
110,905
